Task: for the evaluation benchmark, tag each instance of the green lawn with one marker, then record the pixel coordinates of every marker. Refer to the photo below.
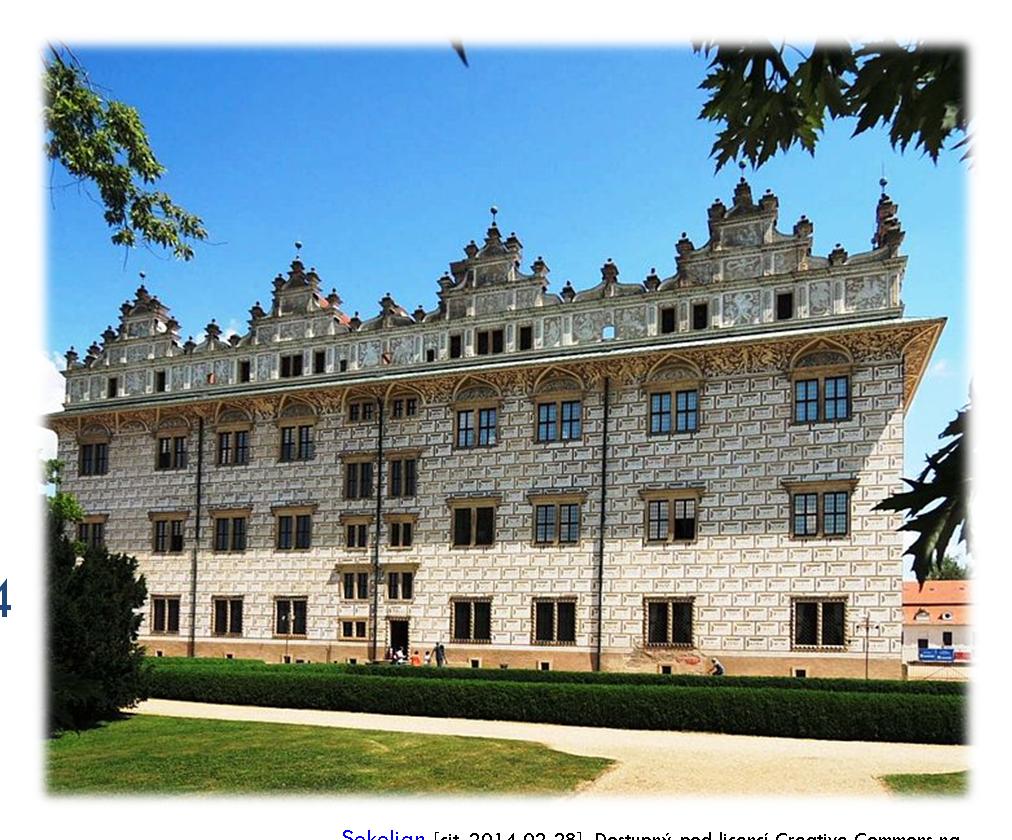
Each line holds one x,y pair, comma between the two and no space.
928,784
145,753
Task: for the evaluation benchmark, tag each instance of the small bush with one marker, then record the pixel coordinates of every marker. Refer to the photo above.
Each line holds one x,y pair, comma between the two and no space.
839,715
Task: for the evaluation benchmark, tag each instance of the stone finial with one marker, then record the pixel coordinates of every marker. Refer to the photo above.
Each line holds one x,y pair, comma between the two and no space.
354,322
141,295
312,278
609,272
540,268
109,335
716,211
492,236
888,232
233,340
212,331
652,281
256,311
93,353
334,299
279,281
512,242
71,357
471,249
445,282
172,325
769,202
125,308
838,256
568,292
684,245
743,195
190,345
803,227
419,314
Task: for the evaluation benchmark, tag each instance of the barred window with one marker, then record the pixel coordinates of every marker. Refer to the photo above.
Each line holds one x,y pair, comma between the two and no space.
669,621
472,620
820,623
554,621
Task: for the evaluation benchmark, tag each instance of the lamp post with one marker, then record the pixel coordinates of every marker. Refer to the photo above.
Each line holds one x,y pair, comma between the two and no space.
867,625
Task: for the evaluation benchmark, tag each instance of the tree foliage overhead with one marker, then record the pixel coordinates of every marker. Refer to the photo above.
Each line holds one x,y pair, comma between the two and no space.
103,141
950,569
767,101
937,500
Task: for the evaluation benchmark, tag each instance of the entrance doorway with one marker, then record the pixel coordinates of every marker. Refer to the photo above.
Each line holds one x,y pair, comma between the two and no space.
399,635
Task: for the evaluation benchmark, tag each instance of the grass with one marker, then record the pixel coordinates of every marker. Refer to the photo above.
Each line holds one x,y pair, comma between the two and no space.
149,754
928,784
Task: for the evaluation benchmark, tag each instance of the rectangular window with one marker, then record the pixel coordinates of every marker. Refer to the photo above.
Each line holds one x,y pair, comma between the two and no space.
342,365
806,514
547,421
667,319
92,534
486,426
489,341
358,479
785,306
354,629
233,448
222,535
557,523
400,586
472,620
554,621
303,531
671,519
224,448
159,381
94,459
700,316
290,617
319,361
684,519
686,411
544,529
168,535
401,533
835,509
669,622
164,614
660,413
297,443
284,540
291,366
356,586
227,617
821,514
946,638
657,520
430,355
361,412
294,531
559,420
112,387
806,400
474,526
482,348
526,337
836,398
402,477
820,623
245,371
468,436
171,453
357,535
456,346
465,429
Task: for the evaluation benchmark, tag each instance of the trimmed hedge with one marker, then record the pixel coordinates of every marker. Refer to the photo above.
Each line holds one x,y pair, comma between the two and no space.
524,675
837,715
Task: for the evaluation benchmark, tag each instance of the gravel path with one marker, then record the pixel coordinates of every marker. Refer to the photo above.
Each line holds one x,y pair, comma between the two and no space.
668,763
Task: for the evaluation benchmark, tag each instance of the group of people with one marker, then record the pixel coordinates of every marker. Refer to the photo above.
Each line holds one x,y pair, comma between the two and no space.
399,656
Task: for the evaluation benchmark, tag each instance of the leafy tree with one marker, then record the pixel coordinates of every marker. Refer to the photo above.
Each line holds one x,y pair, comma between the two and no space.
103,141
936,502
950,569
770,98
95,663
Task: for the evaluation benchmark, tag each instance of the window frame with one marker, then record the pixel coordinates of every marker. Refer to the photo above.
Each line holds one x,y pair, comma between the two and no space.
93,523
233,430
402,576
470,601
399,489
475,409
170,518
98,457
152,629
556,502
354,465
673,390
230,601
670,601
671,497
400,520
354,621
356,576
558,401
820,489
230,515
357,521
820,374
178,456
291,600
554,641
361,411
473,504
295,513
820,600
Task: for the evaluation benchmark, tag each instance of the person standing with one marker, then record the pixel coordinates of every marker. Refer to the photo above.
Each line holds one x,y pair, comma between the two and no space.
440,655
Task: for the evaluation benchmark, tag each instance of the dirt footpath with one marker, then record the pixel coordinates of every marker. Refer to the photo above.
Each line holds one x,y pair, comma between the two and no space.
664,763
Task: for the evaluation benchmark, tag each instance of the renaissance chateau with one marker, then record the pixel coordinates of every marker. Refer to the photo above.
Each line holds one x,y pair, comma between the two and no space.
628,476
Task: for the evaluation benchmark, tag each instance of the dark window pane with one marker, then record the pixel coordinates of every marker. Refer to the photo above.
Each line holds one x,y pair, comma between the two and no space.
544,621
462,620
785,306
668,319
486,426
526,338
497,341
660,413
172,625
244,371
284,532
462,526
700,316
394,586
566,621
235,617
396,473
544,519
221,534
569,523
465,428
239,533
832,623
571,420
349,585
484,532
220,617
657,520
546,421
284,617
158,622
319,361
408,585
299,618
657,623
482,348
806,623
681,623
456,350
482,621
410,477
362,585
303,531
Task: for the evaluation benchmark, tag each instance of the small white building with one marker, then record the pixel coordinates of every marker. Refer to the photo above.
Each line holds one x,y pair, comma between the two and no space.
936,625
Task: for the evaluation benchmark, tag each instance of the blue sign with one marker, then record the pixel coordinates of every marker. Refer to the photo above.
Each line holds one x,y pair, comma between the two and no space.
936,655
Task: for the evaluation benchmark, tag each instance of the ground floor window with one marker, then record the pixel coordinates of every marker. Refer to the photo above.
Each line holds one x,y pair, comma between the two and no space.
290,616
227,617
668,621
354,628
819,623
472,620
164,614
554,621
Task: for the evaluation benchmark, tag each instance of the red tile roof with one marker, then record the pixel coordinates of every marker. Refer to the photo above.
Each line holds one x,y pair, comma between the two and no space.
938,598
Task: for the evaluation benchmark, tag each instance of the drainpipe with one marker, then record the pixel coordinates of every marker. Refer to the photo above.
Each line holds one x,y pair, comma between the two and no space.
600,530
191,648
374,609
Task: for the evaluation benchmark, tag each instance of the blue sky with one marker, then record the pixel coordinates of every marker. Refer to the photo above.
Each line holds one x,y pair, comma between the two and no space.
383,162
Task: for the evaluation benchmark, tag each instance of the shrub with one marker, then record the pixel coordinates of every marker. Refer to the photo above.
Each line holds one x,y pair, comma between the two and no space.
867,716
